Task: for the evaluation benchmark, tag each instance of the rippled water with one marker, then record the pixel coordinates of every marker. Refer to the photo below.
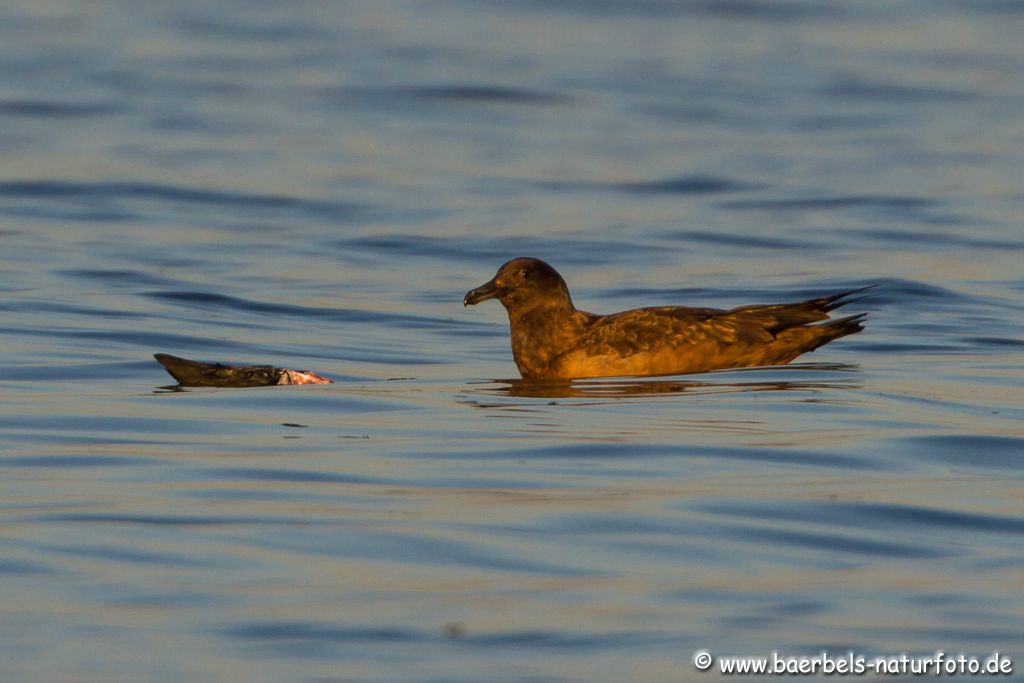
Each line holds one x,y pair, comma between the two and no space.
317,184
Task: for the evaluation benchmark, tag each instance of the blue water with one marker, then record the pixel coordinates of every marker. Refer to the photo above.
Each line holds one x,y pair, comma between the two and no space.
317,185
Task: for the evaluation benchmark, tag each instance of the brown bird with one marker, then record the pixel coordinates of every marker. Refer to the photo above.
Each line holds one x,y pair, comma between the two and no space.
553,340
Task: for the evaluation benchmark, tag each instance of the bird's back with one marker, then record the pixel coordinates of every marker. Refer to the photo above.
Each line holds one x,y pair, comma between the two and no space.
675,340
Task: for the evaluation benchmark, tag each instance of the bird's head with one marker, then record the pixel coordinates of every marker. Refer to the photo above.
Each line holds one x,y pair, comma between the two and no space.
522,284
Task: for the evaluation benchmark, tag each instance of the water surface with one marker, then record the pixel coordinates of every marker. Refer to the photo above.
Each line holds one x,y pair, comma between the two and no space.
317,185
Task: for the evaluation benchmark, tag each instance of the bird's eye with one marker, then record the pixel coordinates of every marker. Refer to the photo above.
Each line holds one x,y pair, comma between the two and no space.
523,274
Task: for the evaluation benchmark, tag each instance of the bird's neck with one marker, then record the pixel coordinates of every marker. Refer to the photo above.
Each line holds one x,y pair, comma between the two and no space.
543,333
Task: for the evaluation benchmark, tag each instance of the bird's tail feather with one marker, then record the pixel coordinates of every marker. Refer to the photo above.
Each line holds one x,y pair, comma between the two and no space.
834,329
830,303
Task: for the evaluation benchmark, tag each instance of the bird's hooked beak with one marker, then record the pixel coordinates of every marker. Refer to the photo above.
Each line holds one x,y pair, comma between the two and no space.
486,291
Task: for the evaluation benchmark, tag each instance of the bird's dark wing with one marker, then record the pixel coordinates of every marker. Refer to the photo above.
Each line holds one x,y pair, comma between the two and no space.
778,317
651,329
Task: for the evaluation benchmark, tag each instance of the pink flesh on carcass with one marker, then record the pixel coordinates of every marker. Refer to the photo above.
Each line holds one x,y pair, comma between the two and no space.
286,376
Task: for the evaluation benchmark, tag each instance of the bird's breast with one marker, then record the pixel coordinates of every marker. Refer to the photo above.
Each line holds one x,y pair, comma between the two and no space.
540,336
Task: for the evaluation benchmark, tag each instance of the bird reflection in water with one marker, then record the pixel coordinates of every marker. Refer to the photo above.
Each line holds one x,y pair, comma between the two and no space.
622,388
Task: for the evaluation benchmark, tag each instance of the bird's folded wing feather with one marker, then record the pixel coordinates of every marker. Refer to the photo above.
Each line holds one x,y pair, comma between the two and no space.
648,329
